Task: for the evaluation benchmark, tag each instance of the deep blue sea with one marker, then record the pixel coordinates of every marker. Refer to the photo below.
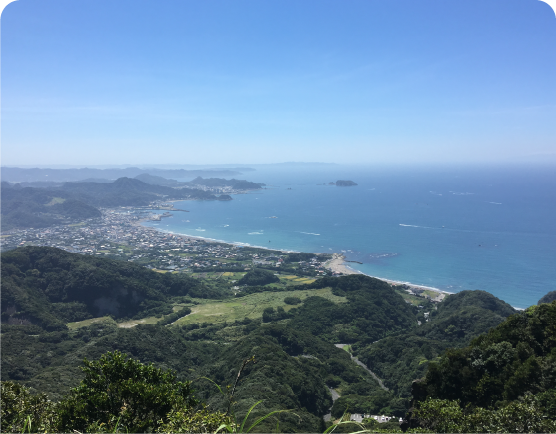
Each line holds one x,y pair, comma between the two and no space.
452,228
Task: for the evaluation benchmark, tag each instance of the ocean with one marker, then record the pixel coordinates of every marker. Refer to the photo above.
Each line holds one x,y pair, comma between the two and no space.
451,228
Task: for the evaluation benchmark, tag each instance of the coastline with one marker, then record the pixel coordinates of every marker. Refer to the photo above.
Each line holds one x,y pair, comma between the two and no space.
336,264
209,240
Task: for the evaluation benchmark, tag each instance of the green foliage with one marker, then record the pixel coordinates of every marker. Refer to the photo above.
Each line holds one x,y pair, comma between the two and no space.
258,276
515,358
22,411
175,316
401,358
270,314
292,300
50,287
373,312
523,416
119,392
199,421
296,257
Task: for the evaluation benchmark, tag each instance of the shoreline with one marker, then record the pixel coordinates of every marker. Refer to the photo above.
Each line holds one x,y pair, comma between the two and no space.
210,240
337,263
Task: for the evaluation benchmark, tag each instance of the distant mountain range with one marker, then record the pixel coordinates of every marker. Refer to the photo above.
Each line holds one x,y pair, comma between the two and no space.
16,174
53,203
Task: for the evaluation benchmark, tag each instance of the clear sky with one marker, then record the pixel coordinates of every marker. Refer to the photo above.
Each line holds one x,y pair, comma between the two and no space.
262,81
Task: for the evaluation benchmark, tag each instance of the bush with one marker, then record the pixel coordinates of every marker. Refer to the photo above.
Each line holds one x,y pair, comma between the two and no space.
258,276
292,300
123,393
22,411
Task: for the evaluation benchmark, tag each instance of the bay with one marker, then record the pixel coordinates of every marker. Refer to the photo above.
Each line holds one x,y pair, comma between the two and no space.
452,228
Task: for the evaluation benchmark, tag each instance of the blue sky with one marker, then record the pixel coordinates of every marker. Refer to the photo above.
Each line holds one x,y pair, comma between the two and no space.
234,81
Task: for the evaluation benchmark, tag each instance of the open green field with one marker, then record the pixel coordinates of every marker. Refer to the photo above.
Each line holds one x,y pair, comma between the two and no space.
134,322
251,306
88,322
55,200
214,311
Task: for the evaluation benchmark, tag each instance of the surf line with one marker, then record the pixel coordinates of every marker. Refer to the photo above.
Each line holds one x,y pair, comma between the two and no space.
415,226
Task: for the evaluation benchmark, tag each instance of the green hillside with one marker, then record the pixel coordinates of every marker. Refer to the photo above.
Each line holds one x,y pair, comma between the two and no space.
50,287
401,358
59,308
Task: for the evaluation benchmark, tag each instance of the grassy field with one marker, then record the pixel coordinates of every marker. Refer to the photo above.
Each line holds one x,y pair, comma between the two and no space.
214,311
55,200
251,306
134,322
88,322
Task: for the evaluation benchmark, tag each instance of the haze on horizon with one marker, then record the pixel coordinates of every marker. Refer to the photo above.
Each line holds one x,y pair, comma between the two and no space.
218,82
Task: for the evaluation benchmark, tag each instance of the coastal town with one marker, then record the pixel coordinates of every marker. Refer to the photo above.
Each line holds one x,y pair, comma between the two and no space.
119,234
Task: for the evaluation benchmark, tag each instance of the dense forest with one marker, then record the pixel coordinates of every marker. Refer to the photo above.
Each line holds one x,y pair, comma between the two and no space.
311,359
50,287
511,369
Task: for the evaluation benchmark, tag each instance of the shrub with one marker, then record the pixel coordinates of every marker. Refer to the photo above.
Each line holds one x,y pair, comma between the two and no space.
118,392
292,300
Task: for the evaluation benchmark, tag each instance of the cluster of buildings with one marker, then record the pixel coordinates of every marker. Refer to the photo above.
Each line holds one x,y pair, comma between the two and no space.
118,234
358,417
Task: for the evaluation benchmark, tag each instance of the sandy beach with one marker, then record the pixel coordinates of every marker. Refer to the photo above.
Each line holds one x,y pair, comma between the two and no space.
338,264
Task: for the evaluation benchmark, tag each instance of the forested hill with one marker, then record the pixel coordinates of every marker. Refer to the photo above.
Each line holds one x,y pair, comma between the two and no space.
24,207
129,192
401,358
53,304
507,375
38,207
51,287
373,312
516,357
233,183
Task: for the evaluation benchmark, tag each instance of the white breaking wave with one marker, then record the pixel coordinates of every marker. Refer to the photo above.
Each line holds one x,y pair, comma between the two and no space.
201,230
415,226
308,233
461,194
255,233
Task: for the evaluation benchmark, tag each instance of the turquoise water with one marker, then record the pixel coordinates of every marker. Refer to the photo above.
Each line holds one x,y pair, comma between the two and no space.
453,229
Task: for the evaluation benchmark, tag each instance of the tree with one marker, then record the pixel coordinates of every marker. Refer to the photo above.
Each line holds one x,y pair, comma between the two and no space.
258,276
443,415
122,393
22,411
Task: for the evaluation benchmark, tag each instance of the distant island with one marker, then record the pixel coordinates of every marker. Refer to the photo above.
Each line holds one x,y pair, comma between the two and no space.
345,183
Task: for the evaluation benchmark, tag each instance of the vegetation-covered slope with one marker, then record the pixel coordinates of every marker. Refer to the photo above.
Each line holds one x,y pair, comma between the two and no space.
516,357
374,311
38,207
258,276
129,192
401,358
50,287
